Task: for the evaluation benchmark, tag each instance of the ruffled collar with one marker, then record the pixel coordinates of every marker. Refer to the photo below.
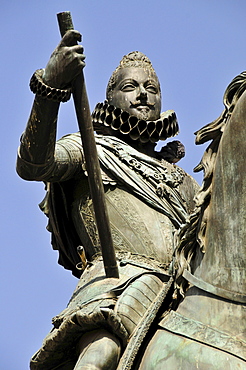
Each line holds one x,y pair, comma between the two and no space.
106,116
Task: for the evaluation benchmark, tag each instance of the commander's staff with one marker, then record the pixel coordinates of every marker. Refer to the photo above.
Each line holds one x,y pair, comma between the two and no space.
92,163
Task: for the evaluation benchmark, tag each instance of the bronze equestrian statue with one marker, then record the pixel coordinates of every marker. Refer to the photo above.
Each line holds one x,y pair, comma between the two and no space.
120,319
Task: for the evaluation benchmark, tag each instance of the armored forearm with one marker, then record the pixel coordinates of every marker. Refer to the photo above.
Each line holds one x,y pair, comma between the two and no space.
40,157
38,140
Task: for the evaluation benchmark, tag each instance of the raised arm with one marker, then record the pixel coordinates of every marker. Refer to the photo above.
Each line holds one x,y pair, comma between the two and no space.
39,158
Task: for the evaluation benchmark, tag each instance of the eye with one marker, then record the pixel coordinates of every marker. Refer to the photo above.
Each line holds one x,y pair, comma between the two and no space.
128,87
152,88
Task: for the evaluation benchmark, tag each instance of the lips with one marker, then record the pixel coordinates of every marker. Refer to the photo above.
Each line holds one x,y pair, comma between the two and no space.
141,105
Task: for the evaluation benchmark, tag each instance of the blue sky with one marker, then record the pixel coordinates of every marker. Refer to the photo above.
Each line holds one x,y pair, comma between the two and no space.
196,47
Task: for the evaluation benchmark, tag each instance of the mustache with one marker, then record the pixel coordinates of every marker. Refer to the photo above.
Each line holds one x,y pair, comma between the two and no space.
137,103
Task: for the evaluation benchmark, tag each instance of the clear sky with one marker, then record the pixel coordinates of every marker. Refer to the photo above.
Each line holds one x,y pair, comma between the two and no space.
196,47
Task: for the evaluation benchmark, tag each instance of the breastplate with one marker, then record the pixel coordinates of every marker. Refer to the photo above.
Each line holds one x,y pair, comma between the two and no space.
136,227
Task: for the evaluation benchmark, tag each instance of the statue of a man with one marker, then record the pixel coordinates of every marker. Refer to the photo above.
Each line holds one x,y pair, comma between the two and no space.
147,198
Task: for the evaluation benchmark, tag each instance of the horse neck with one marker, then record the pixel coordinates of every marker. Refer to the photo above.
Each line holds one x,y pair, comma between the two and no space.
223,264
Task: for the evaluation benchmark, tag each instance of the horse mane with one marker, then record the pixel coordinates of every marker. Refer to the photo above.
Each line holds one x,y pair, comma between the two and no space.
191,237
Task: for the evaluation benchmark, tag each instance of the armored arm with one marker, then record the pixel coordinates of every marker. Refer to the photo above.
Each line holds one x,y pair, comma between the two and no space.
39,157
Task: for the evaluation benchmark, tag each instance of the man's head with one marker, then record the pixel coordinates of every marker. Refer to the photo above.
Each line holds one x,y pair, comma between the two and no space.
135,88
133,107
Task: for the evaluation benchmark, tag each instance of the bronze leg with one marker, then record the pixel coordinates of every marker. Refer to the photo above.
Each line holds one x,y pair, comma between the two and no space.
99,350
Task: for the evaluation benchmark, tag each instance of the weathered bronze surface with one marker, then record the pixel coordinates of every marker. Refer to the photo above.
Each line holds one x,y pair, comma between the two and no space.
140,319
207,331
91,160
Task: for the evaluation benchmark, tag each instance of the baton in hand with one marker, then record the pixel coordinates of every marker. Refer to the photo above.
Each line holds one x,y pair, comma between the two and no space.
92,163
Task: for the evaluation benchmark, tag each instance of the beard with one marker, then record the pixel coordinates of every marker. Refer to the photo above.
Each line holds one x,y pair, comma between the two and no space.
143,114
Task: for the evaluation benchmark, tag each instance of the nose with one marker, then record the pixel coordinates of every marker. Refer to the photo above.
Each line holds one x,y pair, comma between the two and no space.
142,94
